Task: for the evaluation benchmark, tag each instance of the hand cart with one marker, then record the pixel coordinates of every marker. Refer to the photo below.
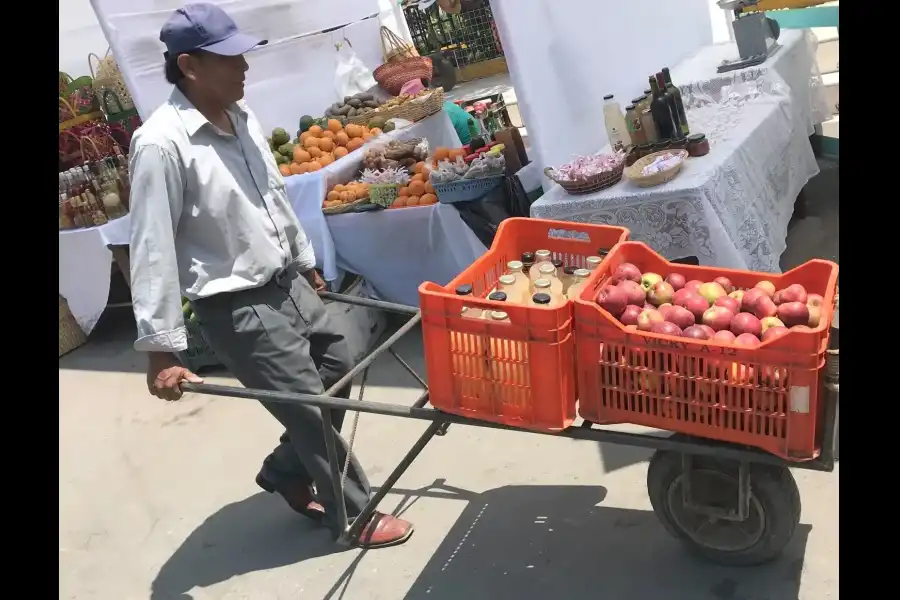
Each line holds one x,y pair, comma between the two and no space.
730,504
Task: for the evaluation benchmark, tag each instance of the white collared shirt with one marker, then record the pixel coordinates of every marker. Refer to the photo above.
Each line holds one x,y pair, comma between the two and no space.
209,214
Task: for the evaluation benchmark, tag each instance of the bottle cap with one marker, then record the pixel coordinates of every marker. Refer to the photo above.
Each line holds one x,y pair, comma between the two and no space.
499,315
593,262
508,279
498,297
464,290
608,97
541,298
542,283
515,265
557,263
569,270
582,273
527,257
542,254
547,269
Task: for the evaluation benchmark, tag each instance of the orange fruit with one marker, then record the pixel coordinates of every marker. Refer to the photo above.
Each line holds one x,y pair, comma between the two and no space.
301,155
418,177
416,188
314,152
328,134
368,137
428,199
419,168
315,166
355,131
296,168
305,136
442,153
326,159
355,144
457,153
315,130
429,189
404,191
311,142
412,201
399,202
326,145
340,152
375,131
334,125
285,169
341,138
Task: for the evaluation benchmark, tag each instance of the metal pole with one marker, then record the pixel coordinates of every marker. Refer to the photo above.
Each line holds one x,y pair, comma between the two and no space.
337,484
408,367
368,360
370,303
351,534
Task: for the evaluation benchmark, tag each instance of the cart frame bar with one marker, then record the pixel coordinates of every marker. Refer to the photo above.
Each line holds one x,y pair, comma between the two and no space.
440,421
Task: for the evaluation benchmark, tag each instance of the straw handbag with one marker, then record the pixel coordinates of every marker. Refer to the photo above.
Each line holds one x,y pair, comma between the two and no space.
402,63
108,78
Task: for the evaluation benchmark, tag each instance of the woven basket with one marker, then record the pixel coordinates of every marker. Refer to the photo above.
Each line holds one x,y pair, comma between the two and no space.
414,110
108,77
384,195
466,190
402,63
345,208
71,335
635,175
591,184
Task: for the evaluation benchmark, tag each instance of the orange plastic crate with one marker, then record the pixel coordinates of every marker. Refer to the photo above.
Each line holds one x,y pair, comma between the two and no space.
767,397
520,373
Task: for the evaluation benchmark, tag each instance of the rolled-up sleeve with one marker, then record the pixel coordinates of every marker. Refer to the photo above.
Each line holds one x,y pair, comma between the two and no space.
302,248
155,207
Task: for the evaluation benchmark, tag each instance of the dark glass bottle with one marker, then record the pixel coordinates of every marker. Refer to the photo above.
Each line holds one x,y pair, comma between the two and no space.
670,100
679,103
662,115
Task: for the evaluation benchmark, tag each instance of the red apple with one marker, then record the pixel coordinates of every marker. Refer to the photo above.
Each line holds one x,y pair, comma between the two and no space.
648,306
696,332
709,330
630,314
773,332
661,293
647,318
666,328
676,280
794,293
743,323
712,291
697,305
725,283
664,309
767,286
680,316
635,292
724,336
769,322
681,296
793,313
765,307
750,298
648,280
718,317
778,298
814,300
693,285
815,315
626,271
612,300
737,295
730,303
747,339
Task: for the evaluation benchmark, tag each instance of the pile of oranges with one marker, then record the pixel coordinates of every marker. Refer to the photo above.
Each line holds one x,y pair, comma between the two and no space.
442,153
319,147
345,194
418,192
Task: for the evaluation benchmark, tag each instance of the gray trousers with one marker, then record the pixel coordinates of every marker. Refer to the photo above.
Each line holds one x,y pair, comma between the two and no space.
279,337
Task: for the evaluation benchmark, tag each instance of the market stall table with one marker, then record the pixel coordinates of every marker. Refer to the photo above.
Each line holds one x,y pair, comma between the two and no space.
85,266
362,243
729,208
794,63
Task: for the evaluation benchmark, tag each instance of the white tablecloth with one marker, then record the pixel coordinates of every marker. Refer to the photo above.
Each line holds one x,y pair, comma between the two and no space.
307,192
85,265
795,63
729,208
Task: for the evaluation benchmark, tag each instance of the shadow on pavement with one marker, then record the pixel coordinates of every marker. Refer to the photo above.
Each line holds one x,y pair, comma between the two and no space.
253,534
557,542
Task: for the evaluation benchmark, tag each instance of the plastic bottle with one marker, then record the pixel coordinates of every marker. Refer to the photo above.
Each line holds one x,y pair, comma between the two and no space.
581,277
614,119
540,257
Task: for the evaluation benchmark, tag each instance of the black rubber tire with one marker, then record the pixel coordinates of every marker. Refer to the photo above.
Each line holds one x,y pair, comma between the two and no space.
773,487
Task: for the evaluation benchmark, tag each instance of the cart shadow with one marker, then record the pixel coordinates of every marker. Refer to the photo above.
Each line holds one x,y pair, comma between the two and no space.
253,534
560,541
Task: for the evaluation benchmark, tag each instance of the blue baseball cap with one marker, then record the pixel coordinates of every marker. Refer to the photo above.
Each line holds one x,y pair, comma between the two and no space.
205,26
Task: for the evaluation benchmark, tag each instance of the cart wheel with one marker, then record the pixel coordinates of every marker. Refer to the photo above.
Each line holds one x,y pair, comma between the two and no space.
774,508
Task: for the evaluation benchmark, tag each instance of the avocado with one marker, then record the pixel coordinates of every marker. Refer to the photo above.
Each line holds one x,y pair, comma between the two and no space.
388,127
282,160
377,122
306,122
286,149
279,137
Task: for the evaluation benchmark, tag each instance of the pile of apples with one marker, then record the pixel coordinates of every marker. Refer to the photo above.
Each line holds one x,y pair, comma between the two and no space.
713,310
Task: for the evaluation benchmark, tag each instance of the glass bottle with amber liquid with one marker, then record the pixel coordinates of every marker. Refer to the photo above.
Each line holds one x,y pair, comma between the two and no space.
673,110
679,102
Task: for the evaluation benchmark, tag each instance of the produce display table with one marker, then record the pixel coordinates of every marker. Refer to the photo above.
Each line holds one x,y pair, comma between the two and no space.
393,250
794,63
85,259
730,208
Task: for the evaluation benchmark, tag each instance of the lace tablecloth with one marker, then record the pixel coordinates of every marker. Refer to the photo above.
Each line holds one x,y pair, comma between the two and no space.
794,62
729,208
